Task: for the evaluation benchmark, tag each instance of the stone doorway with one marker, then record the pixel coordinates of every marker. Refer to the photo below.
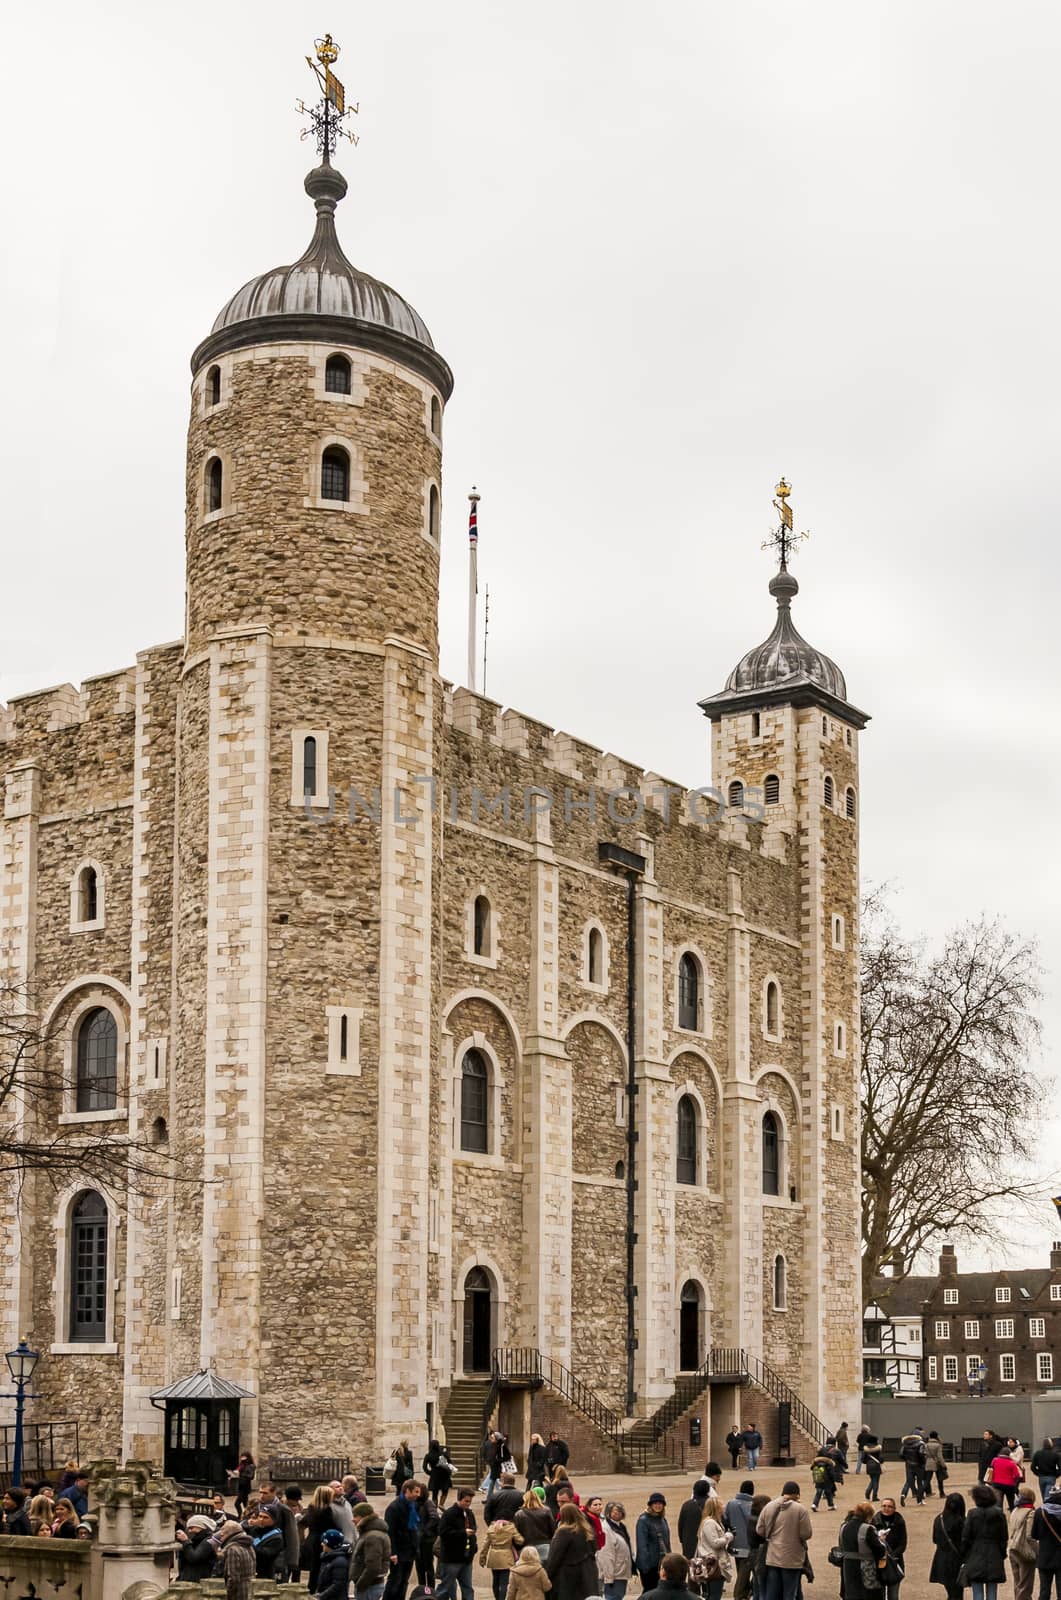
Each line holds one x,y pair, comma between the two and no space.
479,1319
690,1327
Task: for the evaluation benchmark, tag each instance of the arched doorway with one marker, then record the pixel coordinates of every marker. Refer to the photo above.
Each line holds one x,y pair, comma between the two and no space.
478,1321
690,1327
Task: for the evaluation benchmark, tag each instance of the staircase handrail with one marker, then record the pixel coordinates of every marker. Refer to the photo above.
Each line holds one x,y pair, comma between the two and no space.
733,1361
525,1362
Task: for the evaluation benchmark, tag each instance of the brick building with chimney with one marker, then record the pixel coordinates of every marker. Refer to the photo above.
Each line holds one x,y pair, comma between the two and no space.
1008,1320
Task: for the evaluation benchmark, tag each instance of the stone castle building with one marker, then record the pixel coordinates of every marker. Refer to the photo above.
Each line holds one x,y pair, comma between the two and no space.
459,1032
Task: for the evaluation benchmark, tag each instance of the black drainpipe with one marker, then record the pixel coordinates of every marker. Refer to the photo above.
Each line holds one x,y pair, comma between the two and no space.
632,867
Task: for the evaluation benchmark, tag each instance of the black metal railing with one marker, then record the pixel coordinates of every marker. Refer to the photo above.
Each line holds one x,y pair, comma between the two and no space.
525,1365
46,1445
734,1362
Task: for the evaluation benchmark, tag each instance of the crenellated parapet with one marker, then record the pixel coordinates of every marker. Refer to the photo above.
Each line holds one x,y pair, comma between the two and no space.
44,711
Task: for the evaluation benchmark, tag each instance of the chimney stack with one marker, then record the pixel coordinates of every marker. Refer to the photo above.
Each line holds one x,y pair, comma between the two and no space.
1055,1256
948,1262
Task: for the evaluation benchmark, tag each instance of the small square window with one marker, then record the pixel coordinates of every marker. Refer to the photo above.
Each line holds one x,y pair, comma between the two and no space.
972,1330
1055,1291
1037,1327
1004,1328
1002,1297
950,1297
913,1335
942,1330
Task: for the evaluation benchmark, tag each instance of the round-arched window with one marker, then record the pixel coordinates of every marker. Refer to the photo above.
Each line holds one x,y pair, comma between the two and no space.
97,1061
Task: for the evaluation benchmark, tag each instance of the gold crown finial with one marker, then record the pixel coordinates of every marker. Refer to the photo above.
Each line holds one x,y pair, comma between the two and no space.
783,539
327,50
783,490
326,119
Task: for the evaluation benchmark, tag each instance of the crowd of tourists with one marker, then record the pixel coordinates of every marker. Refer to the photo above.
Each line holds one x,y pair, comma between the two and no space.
46,1510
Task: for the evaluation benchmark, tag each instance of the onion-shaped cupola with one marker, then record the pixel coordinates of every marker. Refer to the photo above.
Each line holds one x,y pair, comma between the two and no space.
784,669
322,297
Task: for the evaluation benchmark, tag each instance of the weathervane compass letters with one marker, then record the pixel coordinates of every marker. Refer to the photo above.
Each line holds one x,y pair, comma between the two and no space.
782,539
326,119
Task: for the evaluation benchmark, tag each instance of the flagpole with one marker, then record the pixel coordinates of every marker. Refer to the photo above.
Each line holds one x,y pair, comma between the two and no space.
473,582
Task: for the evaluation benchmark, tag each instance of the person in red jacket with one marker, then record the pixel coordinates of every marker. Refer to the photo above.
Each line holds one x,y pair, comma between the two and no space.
1005,1477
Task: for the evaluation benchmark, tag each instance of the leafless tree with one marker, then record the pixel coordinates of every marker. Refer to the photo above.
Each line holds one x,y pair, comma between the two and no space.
949,1087
33,1141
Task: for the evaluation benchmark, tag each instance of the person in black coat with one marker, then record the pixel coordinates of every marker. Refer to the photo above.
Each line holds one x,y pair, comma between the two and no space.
985,1539
690,1517
438,1464
430,1517
536,1464
16,1517
334,1580
572,1561
989,1448
403,1524
403,1465
504,1502
673,1581
947,1530
197,1557
735,1444
891,1525
557,1453
270,1547
854,1547
1046,1527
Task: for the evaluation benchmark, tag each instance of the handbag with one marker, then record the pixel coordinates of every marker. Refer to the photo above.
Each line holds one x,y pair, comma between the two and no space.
705,1569
390,1465
836,1556
508,1465
869,1572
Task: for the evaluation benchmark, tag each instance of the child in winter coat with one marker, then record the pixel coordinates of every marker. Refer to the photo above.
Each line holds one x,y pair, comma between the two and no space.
528,1579
498,1553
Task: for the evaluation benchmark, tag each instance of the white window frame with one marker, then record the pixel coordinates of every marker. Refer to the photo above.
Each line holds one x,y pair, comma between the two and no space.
1003,1296
595,926
493,930
942,1330
933,1369
972,1368
319,798
1004,1328
91,998
61,1285
1005,1376
950,1369
77,925
779,1033
1055,1291
1044,1366
972,1330
950,1297
338,1065
1036,1327
913,1335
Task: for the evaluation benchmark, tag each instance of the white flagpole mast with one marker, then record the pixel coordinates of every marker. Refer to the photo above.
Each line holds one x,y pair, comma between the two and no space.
473,583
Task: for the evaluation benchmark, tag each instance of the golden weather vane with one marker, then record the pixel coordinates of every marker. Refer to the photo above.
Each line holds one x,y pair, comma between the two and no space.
326,119
782,539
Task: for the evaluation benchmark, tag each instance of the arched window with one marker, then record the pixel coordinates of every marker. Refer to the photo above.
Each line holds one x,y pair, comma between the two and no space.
849,802
686,1144
335,473
213,386
690,1325
736,794
436,416
838,931
595,956
771,1155
434,513
772,789
475,1098
88,895
839,1038
337,375
309,765
214,485
97,1061
481,926
689,992
827,791
780,1286
88,1269
159,1131
773,1009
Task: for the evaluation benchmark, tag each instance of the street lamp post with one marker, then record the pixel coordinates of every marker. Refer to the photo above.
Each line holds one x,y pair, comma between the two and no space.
21,1362
981,1373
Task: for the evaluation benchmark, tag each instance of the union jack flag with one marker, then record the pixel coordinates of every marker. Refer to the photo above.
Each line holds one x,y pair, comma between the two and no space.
473,519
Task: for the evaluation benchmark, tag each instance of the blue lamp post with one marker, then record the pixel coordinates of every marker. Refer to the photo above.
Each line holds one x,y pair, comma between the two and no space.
21,1363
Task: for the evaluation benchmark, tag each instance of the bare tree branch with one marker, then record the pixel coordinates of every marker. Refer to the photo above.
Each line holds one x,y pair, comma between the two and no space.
948,1096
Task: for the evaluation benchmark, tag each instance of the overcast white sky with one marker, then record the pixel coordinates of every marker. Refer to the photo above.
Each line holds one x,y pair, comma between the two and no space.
669,254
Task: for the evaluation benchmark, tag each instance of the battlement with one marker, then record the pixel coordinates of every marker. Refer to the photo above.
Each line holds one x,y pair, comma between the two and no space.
108,694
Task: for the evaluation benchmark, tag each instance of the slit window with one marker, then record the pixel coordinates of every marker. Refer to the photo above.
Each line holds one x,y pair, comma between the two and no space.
772,789
335,473
840,1038
88,895
344,1037
213,386
595,957
756,724
434,513
309,765
481,926
773,1009
689,992
88,1269
436,416
771,1155
337,375
780,1286
475,1084
214,485
686,1143
97,1062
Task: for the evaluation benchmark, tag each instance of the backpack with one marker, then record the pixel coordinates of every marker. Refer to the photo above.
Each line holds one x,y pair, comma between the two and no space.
820,1473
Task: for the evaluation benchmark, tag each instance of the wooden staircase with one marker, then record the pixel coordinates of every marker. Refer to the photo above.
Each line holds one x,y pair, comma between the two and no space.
462,1418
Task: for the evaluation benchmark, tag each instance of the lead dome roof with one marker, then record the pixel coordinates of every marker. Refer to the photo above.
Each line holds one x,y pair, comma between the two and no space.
323,296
